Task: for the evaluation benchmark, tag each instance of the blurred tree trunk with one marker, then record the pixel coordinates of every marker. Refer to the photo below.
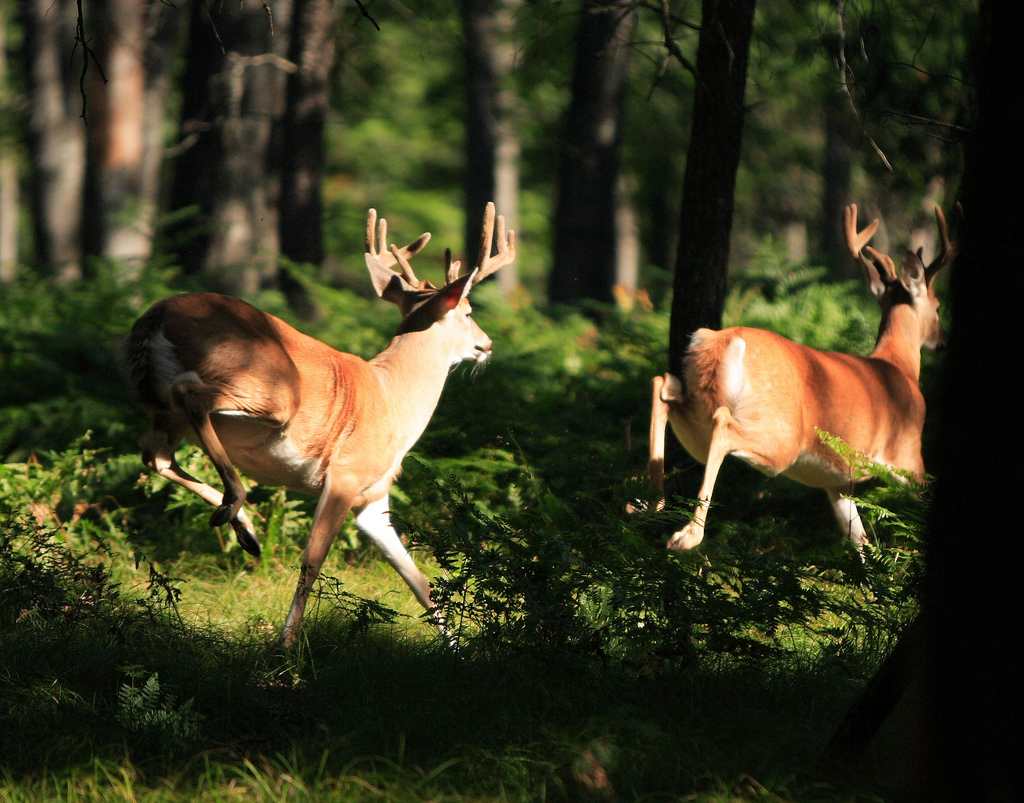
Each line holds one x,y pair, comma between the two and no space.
134,42
836,172
585,217
971,705
228,168
706,210
300,224
8,176
55,132
492,147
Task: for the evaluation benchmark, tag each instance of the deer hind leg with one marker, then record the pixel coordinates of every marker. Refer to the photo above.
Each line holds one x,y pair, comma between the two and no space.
656,461
196,399
848,517
721,445
158,448
331,511
728,436
374,519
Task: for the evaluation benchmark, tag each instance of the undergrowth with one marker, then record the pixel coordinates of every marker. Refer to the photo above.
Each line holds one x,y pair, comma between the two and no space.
138,646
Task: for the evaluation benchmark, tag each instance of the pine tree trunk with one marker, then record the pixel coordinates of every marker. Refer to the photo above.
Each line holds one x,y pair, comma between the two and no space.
8,179
116,224
970,717
300,223
836,174
585,247
55,133
710,178
492,147
228,169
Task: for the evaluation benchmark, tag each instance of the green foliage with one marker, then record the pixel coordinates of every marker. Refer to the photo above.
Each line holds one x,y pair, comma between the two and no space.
798,302
147,639
148,711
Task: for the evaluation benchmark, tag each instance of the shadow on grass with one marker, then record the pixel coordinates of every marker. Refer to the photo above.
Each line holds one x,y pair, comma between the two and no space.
173,701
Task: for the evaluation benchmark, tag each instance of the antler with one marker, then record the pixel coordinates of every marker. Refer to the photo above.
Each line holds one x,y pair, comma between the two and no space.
395,256
879,268
485,263
948,249
451,269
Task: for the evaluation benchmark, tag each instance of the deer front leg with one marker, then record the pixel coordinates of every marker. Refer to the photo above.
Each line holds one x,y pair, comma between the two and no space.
848,517
374,519
158,456
330,514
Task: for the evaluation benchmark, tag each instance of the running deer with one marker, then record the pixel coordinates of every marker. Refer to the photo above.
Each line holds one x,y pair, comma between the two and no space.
758,396
291,411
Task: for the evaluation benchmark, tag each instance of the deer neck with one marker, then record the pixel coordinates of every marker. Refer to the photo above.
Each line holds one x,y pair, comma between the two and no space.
412,371
899,340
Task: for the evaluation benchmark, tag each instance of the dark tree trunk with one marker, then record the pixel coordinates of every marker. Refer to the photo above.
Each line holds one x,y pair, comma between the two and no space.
710,178
838,163
492,147
55,133
165,25
974,614
229,165
302,168
585,227
116,216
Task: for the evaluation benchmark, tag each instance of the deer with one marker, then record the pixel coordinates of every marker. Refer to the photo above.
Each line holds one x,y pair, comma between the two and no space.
766,400
292,412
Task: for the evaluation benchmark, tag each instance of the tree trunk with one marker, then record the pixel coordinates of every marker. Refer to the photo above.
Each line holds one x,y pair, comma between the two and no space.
492,147
710,177
300,224
55,133
585,227
229,166
165,24
970,720
8,178
116,218
838,162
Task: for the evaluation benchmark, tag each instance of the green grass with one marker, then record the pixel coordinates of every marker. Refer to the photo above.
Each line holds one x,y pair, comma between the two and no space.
138,647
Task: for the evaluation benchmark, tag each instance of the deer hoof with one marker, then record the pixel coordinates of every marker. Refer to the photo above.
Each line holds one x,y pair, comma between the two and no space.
686,538
221,515
246,538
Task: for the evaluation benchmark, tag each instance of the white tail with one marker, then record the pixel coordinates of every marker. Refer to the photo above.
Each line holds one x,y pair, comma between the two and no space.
293,412
761,397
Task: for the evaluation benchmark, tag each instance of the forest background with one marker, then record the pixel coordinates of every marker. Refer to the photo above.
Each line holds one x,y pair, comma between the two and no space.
150,147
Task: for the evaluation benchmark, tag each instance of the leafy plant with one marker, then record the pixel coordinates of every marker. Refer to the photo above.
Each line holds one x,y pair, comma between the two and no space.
148,711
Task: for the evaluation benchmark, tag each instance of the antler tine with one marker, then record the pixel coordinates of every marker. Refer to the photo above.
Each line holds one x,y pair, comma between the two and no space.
485,263
390,256
403,263
451,269
884,264
855,241
948,250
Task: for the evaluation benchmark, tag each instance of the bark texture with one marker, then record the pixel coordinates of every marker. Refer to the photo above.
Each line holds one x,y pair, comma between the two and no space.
585,218
709,180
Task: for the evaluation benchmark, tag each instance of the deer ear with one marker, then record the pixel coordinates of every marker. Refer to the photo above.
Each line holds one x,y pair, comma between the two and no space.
912,273
873,271
389,285
451,294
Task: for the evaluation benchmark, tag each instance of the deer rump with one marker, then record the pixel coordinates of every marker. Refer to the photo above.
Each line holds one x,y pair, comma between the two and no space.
742,380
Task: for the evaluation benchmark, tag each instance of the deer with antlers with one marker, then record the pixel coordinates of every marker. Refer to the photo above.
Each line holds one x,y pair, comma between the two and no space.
290,411
765,399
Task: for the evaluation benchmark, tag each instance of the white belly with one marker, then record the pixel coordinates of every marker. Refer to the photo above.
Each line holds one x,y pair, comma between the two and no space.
267,453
